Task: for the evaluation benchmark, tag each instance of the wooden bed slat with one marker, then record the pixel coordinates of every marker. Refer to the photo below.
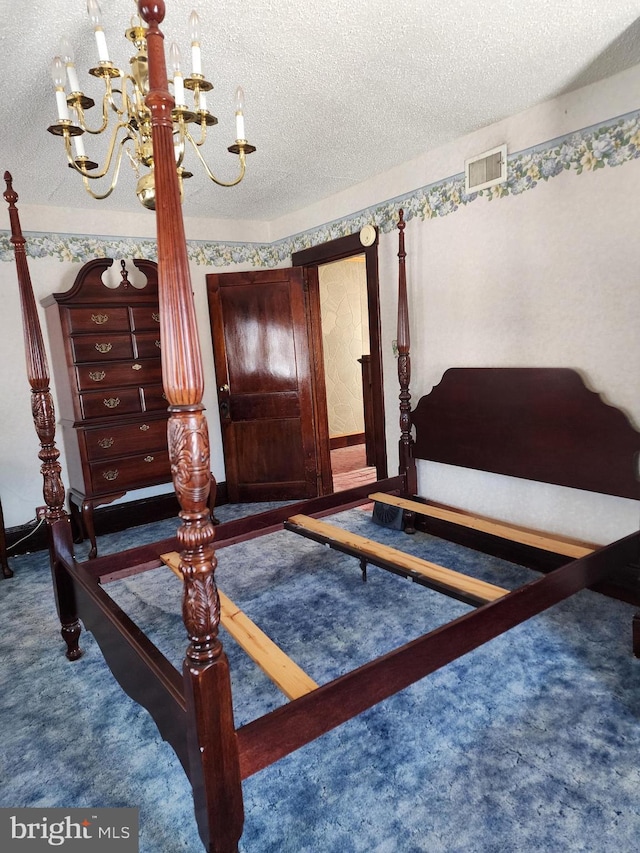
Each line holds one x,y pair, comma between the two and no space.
496,528
285,673
361,546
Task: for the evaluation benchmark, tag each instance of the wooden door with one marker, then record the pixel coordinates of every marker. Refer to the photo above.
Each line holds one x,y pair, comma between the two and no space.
270,387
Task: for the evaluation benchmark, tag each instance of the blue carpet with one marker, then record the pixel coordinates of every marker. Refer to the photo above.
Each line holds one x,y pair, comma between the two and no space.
529,743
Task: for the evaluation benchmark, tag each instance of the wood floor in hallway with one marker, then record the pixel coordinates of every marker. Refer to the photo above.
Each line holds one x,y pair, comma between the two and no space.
349,467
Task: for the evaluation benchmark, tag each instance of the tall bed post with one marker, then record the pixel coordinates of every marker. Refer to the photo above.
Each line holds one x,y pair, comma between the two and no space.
44,419
407,463
213,749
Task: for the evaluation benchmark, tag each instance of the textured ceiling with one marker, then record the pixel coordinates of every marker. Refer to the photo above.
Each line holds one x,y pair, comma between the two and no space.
336,91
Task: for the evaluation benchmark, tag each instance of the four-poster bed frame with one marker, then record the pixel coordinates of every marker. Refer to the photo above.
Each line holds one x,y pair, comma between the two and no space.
193,709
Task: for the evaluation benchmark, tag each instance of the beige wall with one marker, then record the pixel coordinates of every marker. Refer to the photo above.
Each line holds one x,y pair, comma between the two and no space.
343,308
547,277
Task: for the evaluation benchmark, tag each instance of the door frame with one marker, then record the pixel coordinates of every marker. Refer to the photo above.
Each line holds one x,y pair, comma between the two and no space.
336,250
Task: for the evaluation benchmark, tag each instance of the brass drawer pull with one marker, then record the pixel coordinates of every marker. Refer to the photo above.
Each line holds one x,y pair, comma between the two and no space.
158,344
99,319
110,475
136,367
97,375
105,442
144,427
111,402
104,347
148,458
155,316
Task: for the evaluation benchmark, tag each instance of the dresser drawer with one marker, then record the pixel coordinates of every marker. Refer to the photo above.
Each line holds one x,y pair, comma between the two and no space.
104,319
147,344
154,398
101,347
108,442
145,317
130,472
106,404
118,373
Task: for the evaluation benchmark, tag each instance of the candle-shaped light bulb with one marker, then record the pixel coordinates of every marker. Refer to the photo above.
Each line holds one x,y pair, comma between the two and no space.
58,77
57,72
178,81
175,58
79,146
66,51
95,15
194,27
194,30
240,114
66,54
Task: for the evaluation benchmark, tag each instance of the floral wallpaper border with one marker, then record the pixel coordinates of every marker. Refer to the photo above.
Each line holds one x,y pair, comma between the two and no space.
611,143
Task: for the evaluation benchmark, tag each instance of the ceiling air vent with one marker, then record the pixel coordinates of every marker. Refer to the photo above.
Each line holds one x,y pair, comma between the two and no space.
486,170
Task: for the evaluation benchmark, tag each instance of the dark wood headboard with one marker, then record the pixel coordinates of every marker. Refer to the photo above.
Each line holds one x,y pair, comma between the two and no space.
538,423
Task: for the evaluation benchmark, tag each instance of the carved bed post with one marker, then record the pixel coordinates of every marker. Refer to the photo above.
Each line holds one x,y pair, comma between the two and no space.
407,462
44,420
213,750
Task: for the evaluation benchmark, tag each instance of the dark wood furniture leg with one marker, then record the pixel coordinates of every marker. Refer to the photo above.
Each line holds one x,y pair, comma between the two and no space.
213,491
86,513
81,509
77,525
4,563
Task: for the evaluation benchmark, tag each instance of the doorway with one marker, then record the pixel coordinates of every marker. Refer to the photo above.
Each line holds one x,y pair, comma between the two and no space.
344,319
346,277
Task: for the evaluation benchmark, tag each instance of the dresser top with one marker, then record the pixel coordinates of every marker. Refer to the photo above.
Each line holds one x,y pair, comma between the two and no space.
90,289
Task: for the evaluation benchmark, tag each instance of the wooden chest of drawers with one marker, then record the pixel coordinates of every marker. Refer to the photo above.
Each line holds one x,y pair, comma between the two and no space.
105,344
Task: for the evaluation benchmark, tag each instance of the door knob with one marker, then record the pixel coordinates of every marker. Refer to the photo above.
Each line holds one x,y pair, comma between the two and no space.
224,387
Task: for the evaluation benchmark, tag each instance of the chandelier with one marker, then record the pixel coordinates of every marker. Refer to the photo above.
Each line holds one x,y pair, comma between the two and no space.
124,103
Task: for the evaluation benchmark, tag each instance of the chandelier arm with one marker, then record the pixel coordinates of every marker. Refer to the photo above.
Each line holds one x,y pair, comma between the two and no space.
131,104
77,106
107,102
114,180
93,175
78,166
210,174
203,133
180,148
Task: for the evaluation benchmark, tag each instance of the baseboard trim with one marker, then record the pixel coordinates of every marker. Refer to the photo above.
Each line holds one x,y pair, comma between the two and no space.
347,440
107,519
